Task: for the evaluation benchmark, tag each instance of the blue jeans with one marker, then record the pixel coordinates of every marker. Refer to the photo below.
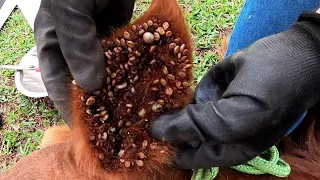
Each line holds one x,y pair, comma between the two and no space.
261,18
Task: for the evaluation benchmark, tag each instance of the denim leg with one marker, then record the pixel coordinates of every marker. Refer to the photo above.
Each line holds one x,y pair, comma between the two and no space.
261,18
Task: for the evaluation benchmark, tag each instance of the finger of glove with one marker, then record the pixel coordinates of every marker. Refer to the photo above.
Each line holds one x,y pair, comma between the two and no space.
178,124
54,70
79,44
214,155
192,123
206,91
226,121
213,84
63,106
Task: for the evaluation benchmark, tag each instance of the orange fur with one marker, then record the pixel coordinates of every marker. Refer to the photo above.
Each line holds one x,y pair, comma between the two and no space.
55,161
55,135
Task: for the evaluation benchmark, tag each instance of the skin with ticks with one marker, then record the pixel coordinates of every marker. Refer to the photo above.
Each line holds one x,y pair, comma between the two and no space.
150,61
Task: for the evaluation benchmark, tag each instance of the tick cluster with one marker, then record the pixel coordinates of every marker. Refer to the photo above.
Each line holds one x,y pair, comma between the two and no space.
148,72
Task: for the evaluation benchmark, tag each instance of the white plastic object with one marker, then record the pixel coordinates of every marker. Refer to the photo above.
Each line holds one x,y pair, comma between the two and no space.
29,82
29,10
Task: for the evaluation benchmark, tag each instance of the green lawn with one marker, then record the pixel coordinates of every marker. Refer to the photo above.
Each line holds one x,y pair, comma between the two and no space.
26,118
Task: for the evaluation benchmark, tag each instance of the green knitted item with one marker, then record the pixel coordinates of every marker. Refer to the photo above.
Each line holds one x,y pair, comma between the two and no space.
268,162
205,174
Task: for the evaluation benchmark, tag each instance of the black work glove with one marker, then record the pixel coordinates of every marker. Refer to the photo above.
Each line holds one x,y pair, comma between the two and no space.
247,103
66,35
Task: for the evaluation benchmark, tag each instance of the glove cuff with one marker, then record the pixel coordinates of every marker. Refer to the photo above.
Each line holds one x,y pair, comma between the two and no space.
309,16
311,22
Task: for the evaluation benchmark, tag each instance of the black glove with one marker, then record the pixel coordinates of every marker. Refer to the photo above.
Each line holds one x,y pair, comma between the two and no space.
66,34
247,103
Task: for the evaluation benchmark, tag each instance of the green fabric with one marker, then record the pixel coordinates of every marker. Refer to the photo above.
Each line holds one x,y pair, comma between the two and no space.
268,162
205,174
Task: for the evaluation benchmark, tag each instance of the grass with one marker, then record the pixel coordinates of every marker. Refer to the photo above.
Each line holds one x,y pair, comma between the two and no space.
26,118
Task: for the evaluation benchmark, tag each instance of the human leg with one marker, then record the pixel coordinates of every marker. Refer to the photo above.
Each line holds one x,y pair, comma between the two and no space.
261,18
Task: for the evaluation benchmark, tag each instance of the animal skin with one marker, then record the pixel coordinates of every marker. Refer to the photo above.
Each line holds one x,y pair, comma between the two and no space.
68,154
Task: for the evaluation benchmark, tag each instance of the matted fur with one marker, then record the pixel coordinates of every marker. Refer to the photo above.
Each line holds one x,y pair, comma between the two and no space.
157,163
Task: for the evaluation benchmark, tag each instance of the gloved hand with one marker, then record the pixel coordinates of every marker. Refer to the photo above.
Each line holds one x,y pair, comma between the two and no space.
66,34
247,103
